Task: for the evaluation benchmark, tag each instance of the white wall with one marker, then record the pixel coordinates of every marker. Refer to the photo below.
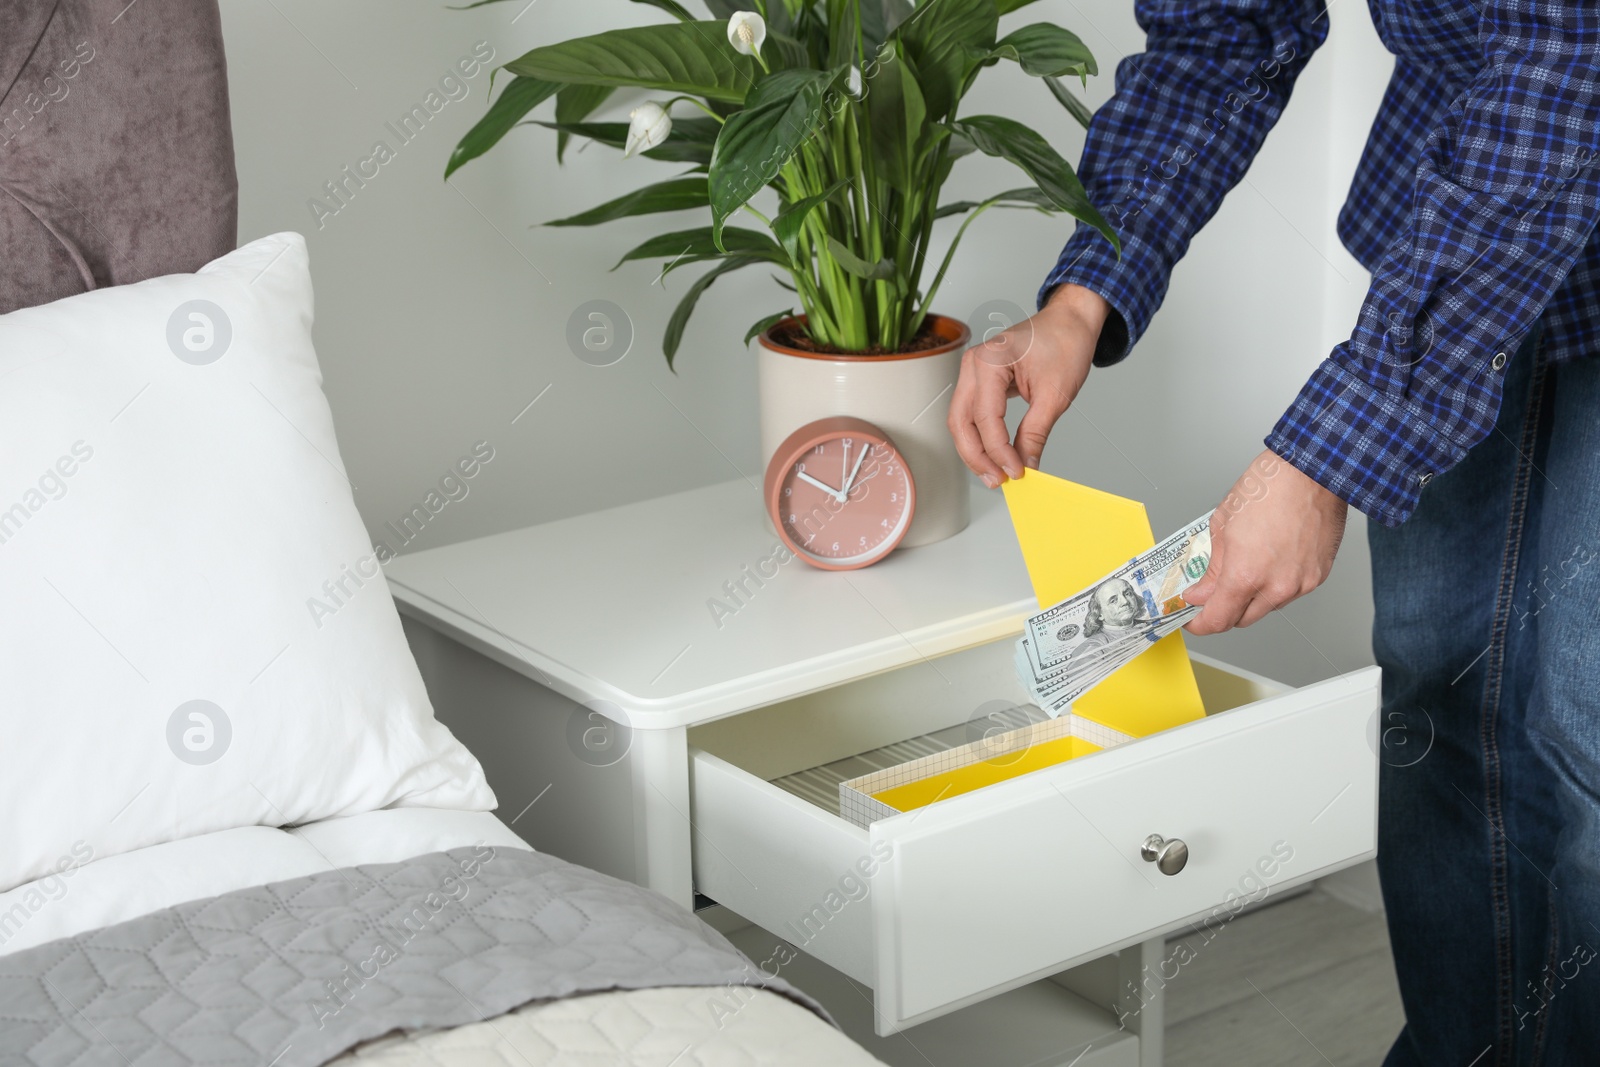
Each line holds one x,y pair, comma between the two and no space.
442,314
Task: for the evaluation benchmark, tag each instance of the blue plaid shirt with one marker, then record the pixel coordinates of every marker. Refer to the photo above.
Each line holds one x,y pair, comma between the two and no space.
1474,208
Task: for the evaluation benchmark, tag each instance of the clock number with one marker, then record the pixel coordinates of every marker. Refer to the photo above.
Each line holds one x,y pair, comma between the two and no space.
788,490
863,542
836,546
799,468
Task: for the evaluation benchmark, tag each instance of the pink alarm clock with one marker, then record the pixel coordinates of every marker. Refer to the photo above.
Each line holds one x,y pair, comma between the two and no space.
839,493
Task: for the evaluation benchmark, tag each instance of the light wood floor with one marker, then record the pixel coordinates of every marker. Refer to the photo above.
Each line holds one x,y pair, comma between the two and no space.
1308,981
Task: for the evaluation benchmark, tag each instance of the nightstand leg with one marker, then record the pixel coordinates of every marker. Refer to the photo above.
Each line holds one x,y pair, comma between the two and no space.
1143,1001
659,761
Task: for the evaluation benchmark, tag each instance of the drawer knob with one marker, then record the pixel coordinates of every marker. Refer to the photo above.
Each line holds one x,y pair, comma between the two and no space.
1170,857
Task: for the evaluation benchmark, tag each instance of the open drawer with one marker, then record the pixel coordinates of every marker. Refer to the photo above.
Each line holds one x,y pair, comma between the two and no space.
948,904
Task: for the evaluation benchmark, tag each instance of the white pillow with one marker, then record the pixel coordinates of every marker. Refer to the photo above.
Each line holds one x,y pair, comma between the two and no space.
173,510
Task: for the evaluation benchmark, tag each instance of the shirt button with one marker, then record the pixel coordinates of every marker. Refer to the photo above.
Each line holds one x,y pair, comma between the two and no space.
1425,479
1499,361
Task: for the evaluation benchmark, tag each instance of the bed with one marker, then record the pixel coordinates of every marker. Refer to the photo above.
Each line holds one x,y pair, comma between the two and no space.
684,1025
231,830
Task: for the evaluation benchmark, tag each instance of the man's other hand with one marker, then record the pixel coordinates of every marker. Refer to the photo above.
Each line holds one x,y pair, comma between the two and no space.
1044,360
1273,539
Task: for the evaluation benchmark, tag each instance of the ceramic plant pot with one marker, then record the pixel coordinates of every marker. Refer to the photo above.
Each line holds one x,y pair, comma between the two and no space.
907,396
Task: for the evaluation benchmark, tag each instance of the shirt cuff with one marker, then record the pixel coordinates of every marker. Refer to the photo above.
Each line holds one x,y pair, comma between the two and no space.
1133,285
1373,450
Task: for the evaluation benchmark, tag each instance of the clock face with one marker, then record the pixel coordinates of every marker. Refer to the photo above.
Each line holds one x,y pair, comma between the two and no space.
842,496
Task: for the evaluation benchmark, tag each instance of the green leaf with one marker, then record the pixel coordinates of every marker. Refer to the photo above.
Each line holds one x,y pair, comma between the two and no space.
1008,6
840,16
777,14
784,52
1046,50
945,41
898,118
1029,196
960,147
881,271
789,222
880,18
685,308
690,141
1013,141
515,101
1075,107
679,194
766,324
694,58
672,7
576,103
692,245
782,110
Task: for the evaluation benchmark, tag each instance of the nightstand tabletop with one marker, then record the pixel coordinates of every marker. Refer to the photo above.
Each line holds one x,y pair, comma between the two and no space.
677,610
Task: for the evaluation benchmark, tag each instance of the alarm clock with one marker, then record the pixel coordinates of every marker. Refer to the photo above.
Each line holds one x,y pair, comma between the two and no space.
839,493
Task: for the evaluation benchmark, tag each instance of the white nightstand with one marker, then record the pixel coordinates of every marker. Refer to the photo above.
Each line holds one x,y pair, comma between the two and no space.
731,670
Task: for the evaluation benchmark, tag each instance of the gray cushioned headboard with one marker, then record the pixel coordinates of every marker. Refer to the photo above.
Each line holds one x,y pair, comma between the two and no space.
116,153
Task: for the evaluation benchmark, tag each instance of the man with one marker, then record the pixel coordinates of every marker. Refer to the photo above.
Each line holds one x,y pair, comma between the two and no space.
1462,417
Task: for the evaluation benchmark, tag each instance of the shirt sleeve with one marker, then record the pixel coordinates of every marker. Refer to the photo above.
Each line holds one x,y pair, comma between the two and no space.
1507,196
1187,118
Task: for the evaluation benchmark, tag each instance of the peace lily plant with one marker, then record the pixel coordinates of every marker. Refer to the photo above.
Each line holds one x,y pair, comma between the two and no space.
846,109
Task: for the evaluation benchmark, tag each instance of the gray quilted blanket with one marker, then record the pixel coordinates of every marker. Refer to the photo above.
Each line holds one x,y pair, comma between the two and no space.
294,973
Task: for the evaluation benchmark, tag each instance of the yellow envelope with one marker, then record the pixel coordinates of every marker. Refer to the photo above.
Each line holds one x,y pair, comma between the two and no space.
1072,535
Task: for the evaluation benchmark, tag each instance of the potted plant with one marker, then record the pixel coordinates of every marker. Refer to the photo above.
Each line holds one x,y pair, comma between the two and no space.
848,110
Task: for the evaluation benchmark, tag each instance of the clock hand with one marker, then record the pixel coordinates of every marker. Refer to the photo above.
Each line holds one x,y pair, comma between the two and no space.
851,481
825,488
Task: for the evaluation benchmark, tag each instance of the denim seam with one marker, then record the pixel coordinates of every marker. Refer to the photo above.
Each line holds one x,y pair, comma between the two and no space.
1546,384
1488,723
1542,1027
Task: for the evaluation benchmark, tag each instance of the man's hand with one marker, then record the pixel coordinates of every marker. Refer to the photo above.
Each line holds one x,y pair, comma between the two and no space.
1044,360
1273,539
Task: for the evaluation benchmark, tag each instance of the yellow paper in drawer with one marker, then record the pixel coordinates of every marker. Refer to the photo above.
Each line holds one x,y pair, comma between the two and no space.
953,783
1072,535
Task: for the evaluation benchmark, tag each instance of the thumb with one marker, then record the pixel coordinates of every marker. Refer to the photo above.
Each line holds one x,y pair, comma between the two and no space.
1044,409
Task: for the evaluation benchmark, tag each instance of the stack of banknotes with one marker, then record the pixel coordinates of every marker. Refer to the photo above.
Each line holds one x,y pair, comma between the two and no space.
1069,648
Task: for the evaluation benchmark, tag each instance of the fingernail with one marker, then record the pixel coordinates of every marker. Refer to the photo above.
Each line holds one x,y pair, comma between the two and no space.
990,480
1012,472
1032,462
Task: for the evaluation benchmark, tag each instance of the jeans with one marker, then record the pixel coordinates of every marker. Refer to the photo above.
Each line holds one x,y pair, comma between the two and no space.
1487,628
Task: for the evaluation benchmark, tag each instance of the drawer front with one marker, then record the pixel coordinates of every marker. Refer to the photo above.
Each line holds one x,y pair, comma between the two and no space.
986,892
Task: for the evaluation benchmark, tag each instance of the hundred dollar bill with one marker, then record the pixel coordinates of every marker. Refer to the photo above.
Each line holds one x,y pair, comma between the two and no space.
1099,662
1125,603
1111,656
1056,698
1072,646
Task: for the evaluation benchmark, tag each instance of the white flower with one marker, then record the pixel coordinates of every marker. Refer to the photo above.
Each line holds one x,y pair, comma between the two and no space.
649,127
747,32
